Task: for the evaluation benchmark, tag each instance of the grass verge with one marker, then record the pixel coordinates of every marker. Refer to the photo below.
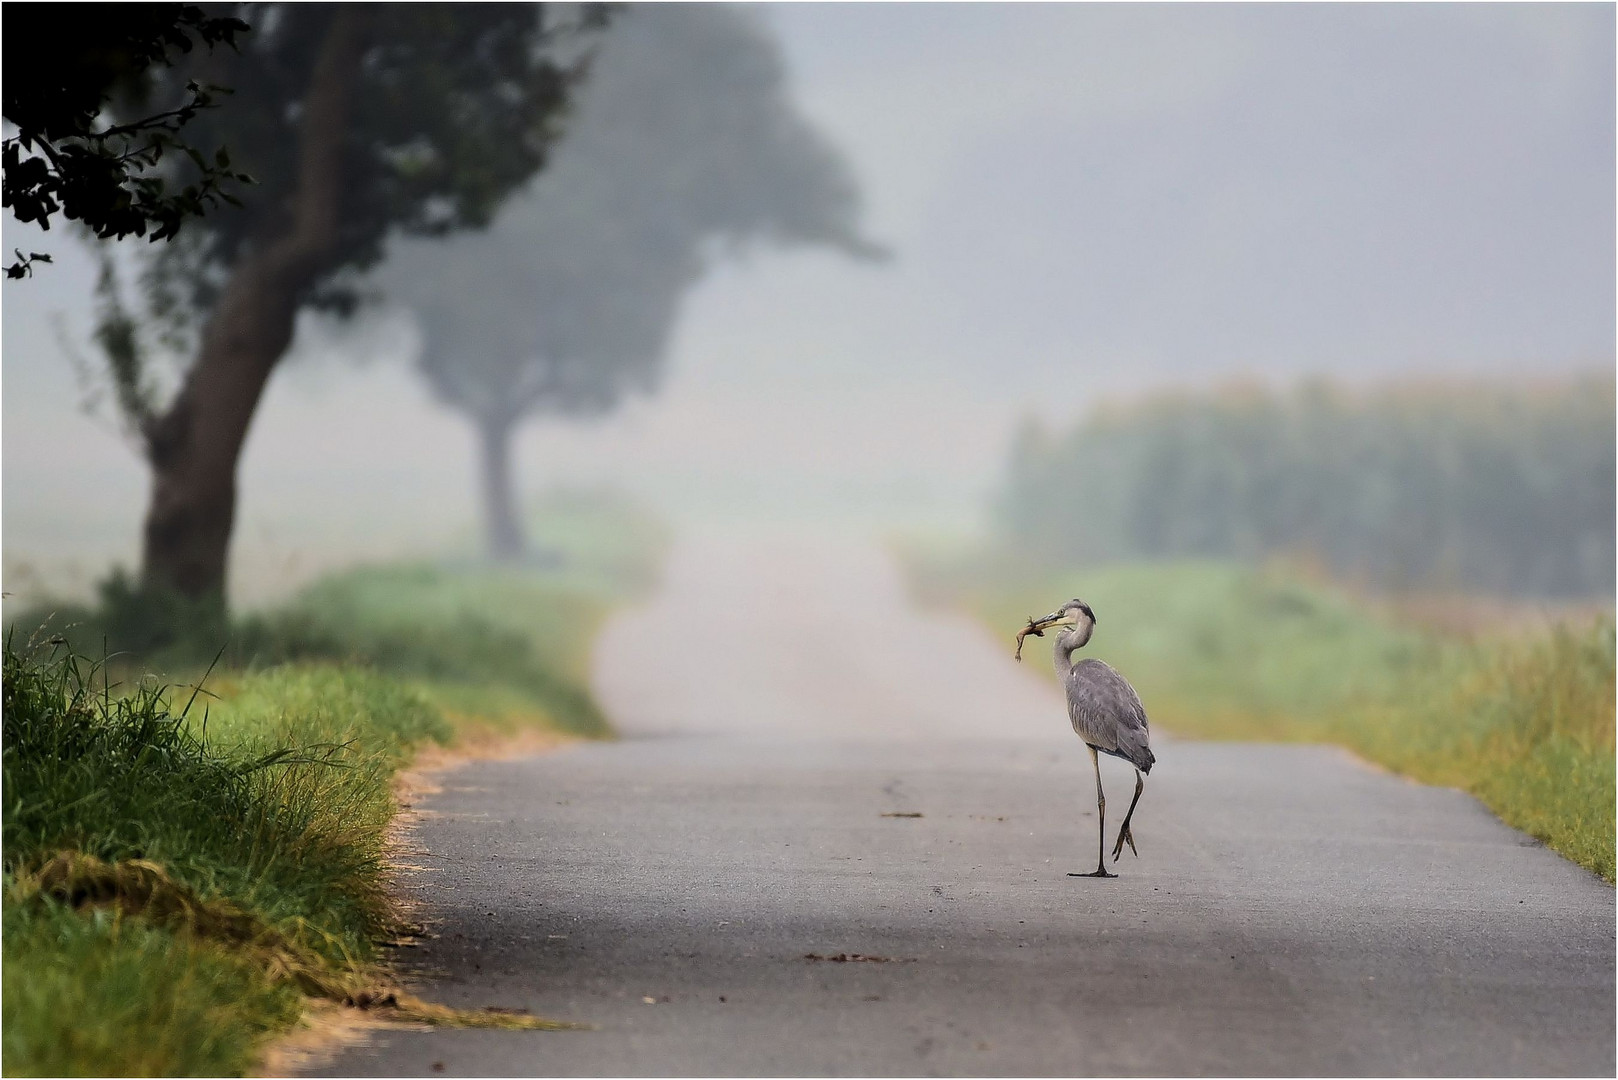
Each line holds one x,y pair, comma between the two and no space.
184,871
1222,651
174,888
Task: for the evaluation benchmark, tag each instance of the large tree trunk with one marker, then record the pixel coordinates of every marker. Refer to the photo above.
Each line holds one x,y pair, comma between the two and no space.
503,528
195,445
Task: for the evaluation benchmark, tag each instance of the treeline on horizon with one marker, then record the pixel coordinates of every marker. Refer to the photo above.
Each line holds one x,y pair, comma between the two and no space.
1476,486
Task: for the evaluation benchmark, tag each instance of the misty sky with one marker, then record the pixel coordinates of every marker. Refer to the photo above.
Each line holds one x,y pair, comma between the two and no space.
1084,202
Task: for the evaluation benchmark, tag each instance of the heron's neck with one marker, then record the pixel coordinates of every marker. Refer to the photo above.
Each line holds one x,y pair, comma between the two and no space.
1064,656
1068,642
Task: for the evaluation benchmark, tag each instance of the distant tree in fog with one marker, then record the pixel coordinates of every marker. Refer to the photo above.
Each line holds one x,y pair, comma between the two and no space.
682,145
355,121
1473,486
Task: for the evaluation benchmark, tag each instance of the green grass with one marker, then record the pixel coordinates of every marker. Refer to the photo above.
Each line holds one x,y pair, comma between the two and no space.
1527,727
196,867
180,871
455,631
196,875
1216,649
470,634
159,1004
1223,651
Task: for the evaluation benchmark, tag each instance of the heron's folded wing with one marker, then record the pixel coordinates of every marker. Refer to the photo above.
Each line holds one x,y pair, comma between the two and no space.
1107,713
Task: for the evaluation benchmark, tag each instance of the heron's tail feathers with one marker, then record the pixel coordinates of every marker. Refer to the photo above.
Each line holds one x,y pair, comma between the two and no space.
1133,750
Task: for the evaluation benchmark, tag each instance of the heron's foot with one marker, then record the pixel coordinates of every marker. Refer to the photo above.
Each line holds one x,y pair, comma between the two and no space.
1100,871
1125,836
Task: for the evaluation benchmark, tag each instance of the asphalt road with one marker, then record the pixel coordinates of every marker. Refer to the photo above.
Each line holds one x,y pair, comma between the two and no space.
1292,911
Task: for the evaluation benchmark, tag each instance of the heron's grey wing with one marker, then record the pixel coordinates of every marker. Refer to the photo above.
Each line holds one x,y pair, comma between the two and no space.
1107,713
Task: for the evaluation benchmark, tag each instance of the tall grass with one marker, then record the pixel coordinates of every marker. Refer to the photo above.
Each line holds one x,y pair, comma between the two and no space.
195,868
283,816
1224,651
153,863
1525,726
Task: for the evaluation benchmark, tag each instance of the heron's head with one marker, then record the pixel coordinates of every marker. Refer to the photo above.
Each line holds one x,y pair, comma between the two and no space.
1075,613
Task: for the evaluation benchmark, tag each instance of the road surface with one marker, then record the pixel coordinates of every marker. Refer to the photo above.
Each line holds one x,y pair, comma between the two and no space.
814,771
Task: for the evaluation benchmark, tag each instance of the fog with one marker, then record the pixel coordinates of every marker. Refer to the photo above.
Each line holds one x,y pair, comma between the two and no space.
1083,203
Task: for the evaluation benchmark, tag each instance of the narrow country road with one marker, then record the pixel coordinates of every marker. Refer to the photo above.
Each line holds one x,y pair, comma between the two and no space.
834,841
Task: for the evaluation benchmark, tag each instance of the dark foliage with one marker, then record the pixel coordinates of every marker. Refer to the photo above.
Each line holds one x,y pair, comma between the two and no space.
454,107
64,63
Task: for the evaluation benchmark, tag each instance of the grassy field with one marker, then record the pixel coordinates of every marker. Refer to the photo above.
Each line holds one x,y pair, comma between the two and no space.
183,871
1224,651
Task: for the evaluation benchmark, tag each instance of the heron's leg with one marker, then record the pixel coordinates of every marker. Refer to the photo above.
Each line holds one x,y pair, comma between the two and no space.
1101,822
1124,835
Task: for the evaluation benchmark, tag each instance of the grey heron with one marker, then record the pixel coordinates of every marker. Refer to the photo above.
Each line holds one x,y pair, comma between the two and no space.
1105,710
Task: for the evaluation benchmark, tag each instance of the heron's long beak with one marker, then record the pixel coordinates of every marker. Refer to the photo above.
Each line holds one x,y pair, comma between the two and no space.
1055,618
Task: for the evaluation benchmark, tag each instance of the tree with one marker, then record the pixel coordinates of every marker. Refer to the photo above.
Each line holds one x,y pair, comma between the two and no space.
683,144
1499,488
62,71
356,121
